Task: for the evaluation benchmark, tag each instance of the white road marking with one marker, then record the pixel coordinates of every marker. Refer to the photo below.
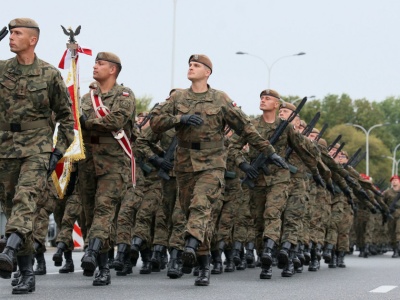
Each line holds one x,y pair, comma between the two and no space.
76,271
383,289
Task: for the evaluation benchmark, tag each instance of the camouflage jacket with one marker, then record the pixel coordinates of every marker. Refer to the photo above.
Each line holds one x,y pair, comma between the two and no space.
202,147
28,95
389,196
108,157
289,138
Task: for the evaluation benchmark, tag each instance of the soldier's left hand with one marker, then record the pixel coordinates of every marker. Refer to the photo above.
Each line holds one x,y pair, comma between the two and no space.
82,121
350,180
55,156
330,188
277,160
161,163
3,33
319,181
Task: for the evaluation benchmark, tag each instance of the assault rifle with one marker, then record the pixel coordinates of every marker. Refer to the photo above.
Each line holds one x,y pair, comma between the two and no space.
261,161
306,131
339,149
352,158
392,206
168,156
146,118
3,33
334,142
322,131
358,160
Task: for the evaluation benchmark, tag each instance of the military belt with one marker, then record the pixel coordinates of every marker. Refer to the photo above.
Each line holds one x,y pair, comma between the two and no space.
201,145
18,127
99,140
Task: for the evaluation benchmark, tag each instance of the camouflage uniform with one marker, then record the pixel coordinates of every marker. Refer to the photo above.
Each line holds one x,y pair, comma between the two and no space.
105,173
200,162
28,96
393,225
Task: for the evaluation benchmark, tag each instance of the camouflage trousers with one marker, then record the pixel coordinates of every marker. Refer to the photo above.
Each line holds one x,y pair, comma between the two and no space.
364,227
295,210
243,230
44,208
337,210
21,183
320,216
152,199
308,234
394,228
267,204
178,219
163,221
66,212
199,195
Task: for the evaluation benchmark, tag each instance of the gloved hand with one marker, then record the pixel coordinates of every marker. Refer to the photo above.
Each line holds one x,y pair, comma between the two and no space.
82,121
350,180
194,120
3,33
330,188
249,170
277,160
364,194
55,156
378,207
373,210
392,210
160,162
347,192
319,181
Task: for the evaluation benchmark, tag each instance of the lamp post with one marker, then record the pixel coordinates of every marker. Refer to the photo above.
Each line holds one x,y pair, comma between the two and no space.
173,45
367,132
397,166
269,67
297,100
394,158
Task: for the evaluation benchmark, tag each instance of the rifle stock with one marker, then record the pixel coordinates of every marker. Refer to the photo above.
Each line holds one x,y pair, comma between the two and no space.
169,156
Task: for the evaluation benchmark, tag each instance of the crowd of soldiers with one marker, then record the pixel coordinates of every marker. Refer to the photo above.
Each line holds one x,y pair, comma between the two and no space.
179,186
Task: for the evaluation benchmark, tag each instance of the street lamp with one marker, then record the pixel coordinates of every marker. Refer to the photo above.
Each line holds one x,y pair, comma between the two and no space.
173,45
297,100
273,63
367,132
397,166
394,158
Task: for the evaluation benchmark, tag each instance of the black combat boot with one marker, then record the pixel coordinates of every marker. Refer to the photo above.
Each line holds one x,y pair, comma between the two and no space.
164,259
40,264
103,276
69,264
175,264
136,244
57,257
266,273
3,243
340,259
26,282
327,254
230,265
196,270
266,255
243,262
283,255
204,271
361,252
127,269
122,253
334,260
318,251
300,253
8,255
366,251
295,259
89,259
373,250
15,279
217,262
314,263
146,262
288,270
307,254
157,256
237,249
111,257
250,259
396,250
189,255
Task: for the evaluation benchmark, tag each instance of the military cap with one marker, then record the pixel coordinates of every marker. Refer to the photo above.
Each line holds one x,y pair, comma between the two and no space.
93,85
287,105
201,58
143,114
337,145
269,92
322,142
23,22
365,176
315,130
345,153
303,123
394,177
108,56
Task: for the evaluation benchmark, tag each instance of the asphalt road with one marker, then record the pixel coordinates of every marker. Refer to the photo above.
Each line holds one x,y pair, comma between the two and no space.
377,277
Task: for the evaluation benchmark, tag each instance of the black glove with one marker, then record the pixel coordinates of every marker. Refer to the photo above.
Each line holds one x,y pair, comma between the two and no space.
71,183
319,181
378,207
392,210
82,121
384,219
347,192
249,170
3,33
330,188
350,180
364,194
277,160
194,120
55,156
161,163
373,210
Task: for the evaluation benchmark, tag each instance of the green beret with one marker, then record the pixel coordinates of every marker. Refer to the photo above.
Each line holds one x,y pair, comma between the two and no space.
201,58
23,22
269,92
108,56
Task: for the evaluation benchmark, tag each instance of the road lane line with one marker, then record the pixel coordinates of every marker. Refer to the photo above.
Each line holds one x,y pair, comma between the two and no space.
383,289
76,271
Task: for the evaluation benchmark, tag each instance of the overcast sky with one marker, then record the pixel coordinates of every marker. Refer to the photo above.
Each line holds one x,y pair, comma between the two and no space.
351,46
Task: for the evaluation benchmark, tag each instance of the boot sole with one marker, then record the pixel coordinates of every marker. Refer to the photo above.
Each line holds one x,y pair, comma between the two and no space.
188,262
118,266
101,284
5,264
23,292
40,272
66,272
265,276
266,261
88,266
174,275
201,283
283,260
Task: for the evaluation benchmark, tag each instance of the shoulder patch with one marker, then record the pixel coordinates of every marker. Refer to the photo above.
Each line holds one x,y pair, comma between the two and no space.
125,103
126,94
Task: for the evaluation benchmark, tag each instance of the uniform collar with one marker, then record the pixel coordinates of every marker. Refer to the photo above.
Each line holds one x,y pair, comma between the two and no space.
207,96
34,71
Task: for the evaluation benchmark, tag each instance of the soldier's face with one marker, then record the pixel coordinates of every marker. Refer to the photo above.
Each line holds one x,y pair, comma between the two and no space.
268,103
21,39
101,70
395,183
197,71
332,152
313,135
284,113
342,158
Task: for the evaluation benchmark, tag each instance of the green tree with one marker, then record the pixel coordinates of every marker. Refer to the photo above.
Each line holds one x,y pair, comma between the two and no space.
143,103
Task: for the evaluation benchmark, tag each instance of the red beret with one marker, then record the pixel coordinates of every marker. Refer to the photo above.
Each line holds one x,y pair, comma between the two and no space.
395,177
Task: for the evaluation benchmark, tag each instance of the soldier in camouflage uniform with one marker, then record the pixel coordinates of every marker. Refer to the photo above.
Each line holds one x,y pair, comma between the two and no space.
30,90
105,173
392,199
199,115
